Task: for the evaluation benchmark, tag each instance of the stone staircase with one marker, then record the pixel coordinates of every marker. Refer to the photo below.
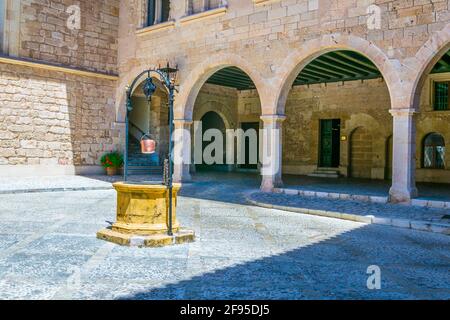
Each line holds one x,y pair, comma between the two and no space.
325,173
142,164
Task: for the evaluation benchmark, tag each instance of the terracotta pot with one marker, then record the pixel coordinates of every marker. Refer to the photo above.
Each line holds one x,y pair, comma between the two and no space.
148,146
111,171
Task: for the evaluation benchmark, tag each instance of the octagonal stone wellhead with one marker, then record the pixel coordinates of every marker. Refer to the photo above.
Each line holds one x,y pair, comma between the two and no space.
143,217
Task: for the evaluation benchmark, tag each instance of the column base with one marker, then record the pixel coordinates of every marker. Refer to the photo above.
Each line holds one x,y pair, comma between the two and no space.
182,174
184,179
268,184
402,196
152,241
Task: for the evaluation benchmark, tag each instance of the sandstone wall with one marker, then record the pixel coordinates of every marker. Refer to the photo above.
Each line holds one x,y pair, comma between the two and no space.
59,121
45,35
264,35
54,122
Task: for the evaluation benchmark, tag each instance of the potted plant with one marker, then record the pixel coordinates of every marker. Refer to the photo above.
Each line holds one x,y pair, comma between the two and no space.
112,162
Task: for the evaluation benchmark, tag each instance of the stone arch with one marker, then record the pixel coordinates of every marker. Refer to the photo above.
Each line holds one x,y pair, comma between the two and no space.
425,59
312,49
219,108
354,122
193,81
379,134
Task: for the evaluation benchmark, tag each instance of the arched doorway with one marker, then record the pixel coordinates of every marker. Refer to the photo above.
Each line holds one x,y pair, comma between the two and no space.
213,121
361,153
148,118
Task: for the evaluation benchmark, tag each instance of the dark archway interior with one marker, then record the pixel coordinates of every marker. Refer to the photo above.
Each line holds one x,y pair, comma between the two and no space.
212,120
342,65
232,77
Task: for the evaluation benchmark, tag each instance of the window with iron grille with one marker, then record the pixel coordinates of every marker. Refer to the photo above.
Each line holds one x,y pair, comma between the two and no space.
197,6
434,151
441,101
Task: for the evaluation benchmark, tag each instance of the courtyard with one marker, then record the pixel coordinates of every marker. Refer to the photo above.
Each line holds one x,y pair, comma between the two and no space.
48,250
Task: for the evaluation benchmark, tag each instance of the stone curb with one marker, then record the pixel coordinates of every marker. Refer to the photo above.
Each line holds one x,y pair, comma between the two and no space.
365,198
418,225
22,191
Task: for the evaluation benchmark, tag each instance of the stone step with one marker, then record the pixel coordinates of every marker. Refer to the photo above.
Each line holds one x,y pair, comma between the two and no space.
325,173
145,170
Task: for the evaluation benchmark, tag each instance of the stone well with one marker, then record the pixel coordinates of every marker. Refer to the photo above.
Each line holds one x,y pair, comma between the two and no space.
143,217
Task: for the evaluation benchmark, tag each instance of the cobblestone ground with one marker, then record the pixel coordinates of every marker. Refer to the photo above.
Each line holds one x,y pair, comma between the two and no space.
48,250
355,207
62,183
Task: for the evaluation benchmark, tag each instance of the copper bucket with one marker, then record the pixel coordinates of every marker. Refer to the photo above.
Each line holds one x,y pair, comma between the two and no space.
148,145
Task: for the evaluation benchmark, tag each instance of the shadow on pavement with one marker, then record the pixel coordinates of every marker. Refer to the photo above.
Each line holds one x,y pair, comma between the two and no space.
335,268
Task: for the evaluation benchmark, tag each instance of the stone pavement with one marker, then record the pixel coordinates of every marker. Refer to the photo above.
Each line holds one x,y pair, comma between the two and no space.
239,186
410,217
432,191
61,183
48,250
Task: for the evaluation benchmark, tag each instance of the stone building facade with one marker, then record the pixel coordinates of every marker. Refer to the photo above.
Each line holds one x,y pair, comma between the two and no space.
384,121
58,81
387,125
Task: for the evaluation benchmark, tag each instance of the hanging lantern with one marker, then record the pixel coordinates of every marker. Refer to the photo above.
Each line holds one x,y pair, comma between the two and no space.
148,145
149,88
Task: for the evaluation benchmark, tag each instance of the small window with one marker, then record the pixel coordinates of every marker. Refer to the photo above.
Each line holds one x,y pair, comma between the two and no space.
441,96
197,6
158,11
434,151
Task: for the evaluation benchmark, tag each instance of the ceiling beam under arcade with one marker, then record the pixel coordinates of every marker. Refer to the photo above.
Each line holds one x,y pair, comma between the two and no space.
230,84
338,66
335,66
443,65
347,64
232,77
341,64
360,59
323,71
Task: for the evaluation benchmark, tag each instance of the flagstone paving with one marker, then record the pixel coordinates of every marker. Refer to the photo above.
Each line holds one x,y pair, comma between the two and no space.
360,208
48,250
431,191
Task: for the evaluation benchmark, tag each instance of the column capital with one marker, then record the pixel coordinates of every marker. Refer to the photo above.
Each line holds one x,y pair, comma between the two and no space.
403,112
183,122
270,118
